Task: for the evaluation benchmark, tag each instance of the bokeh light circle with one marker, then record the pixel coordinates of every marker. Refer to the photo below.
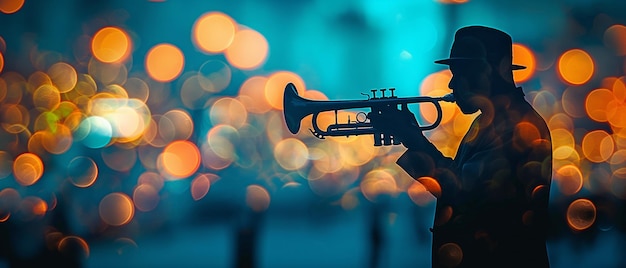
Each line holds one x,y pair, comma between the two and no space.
11,6
201,184
257,198
291,154
248,50
63,76
164,62
598,146
275,87
596,104
27,169
615,39
581,214
522,55
145,197
180,159
575,67
111,45
213,32
94,132
116,209
82,171
569,179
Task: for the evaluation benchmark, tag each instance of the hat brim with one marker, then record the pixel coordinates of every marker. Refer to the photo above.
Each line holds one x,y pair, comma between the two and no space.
463,59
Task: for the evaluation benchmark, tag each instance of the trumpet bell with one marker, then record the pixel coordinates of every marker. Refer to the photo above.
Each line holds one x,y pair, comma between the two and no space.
292,108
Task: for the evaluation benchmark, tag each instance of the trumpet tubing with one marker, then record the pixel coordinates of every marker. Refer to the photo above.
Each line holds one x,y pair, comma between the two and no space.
295,108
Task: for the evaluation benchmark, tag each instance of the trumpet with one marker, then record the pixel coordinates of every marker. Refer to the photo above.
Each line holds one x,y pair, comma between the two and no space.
295,108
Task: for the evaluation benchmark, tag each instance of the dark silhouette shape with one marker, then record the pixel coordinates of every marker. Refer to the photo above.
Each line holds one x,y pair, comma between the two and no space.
493,207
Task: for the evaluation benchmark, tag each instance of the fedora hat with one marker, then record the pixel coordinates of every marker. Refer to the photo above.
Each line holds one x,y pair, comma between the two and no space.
484,44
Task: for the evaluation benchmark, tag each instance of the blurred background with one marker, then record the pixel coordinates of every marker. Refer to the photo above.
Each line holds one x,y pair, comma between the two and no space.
151,133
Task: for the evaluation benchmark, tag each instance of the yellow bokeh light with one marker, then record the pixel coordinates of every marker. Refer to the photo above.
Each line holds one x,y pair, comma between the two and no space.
176,124
63,76
252,95
116,209
275,87
581,214
291,154
248,50
575,67
598,146
257,198
522,55
111,45
58,139
569,179
180,159
213,32
419,194
46,98
10,6
27,169
229,111
1,64
164,62
596,104
376,183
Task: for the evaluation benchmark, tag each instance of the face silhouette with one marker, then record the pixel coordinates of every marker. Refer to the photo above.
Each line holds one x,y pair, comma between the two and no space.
470,82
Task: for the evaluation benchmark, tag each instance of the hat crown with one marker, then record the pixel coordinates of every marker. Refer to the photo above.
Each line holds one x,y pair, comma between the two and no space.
482,43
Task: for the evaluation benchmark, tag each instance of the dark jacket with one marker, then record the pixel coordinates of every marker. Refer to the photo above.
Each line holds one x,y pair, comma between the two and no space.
492,209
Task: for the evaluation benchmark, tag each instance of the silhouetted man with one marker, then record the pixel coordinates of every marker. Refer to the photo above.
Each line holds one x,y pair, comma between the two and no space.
492,210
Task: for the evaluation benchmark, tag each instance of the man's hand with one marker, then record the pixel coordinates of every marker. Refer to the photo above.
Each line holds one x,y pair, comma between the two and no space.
400,123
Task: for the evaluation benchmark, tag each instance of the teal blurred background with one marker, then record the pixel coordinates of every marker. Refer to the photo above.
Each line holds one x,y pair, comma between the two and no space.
258,195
